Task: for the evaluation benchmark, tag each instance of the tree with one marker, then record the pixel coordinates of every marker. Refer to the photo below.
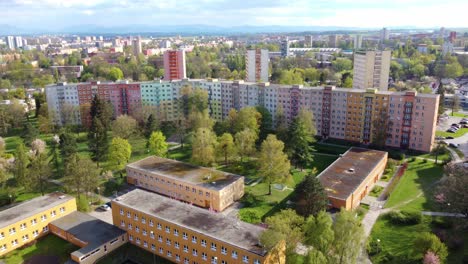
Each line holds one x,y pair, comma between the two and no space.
347,83
225,147
248,117
310,196
29,133
301,136
38,146
98,142
20,166
342,64
380,126
39,172
266,123
455,104
245,143
81,175
101,110
115,74
54,152
119,153
203,147
441,92
44,123
150,126
281,124
124,126
319,232
68,145
157,144
2,146
273,163
348,239
451,193
285,225
429,242
431,258
315,257
200,120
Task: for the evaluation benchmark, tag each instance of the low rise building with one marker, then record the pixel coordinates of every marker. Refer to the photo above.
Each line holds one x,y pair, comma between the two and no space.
187,234
352,176
94,237
200,186
26,222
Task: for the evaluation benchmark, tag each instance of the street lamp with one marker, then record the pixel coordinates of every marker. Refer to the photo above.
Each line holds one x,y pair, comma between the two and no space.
11,196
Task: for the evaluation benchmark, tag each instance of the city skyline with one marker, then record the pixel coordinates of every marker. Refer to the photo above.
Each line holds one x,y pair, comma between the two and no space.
60,14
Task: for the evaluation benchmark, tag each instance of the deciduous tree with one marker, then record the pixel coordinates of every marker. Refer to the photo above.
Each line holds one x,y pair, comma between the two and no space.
124,126
285,225
157,144
20,167
273,163
348,239
245,143
119,153
39,172
226,147
429,242
81,175
203,147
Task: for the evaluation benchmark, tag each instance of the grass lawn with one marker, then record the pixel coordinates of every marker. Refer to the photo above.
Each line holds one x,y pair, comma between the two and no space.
458,133
418,178
457,114
398,240
445,155
49,245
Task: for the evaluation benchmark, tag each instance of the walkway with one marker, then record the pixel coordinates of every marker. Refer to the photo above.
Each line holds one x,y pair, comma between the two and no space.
443,214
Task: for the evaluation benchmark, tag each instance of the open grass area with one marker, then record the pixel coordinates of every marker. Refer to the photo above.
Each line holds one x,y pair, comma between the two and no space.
49,245
457,114
416,186
397,240
458,133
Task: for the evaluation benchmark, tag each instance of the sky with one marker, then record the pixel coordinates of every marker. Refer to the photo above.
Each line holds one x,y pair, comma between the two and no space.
58,14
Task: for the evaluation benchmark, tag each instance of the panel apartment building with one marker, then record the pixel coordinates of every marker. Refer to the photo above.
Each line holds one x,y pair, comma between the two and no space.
199,186
348,114
256,65
371,69
187,234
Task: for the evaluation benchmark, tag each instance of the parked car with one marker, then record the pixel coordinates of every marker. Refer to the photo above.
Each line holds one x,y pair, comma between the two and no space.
109,204
455,125
463,122
449,137
453,145
439,138
465,126
451,130
104,207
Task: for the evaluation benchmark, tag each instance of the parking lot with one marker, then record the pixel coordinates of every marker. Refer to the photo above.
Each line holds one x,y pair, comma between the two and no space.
462,141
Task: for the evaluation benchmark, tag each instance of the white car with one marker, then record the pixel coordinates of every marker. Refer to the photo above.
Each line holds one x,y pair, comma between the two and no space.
104,207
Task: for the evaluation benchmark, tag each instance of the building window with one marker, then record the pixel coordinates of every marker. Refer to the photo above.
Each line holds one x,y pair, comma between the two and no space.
138,241
245,259
168,230
195,252
23,226
145,244
151,223
169,254
214,260
137,229
25,237
186,248
121,212
35,233
2,235
144,232
62,210
43,218
176,245
12,231
52,214
186,261
223,250
194,239
34,221
203,243
159,226
184,236
143,220
213,246
161,250
168,241
130,227
130,238
3,247
14,242
135,217
122,223
204,256
177,257
129,214
45,229
176,232
256,261
234,254
160,238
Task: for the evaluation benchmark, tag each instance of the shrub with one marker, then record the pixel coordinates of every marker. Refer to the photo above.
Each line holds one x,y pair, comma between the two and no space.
82,204
404,217
250,216
373,247
413,159
429,242
249,200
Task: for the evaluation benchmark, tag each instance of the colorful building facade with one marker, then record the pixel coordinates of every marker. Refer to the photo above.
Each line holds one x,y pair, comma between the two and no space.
355,115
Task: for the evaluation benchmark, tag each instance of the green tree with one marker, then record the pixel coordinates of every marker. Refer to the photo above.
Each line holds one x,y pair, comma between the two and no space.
348,82
115,74
98,141
429,242
101,110
319,232
301,136
68,146
285,225
124,126
81,175
310,196
281,124
245,143
54,152
157,144
273,163
119,153
452,191
200,120
20,166
455,104
348,239
226,147
39,172
342,64
30,133
150,126
248,118
203,147
266,123
315,257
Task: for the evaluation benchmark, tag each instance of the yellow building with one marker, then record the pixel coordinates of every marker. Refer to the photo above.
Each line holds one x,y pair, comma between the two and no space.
200,186
25,222
187,234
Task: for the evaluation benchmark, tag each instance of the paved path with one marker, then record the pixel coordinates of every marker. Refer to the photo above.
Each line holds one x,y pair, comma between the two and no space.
442,214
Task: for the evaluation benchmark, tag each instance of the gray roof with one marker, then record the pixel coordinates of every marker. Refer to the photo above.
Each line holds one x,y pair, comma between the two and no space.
339,181
215,225
87,229
206,177
32,207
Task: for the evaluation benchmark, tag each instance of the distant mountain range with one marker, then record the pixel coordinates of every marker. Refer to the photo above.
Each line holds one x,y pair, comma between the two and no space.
177,29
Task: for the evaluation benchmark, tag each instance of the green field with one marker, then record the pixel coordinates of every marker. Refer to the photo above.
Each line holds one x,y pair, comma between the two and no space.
46,246
457,114
415,187
459,133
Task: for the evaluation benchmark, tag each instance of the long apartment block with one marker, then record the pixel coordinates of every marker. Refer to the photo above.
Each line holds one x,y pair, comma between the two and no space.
187,234
341,113
204,187
26,222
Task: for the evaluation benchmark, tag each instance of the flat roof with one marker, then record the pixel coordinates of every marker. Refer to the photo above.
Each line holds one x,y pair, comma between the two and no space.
215,225
87,229
346,173
206,177
32,207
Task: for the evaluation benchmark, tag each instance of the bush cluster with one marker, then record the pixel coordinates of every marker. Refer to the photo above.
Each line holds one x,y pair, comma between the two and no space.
404,217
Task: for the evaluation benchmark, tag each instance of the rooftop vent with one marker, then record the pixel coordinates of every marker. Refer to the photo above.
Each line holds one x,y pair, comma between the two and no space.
351,170
61,196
